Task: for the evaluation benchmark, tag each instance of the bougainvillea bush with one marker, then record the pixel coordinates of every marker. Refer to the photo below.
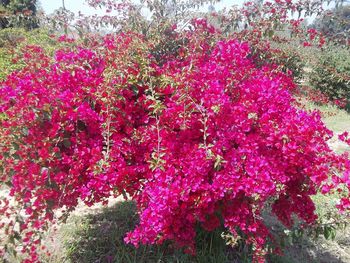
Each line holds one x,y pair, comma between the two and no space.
199,137
201,133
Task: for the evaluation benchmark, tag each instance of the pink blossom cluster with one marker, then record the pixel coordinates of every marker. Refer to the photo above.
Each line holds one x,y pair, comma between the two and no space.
204,138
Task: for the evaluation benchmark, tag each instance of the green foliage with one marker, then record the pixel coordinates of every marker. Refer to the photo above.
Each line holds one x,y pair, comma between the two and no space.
18,13
12,42
285,57
11,37
331,73
290,60
335,25
6,65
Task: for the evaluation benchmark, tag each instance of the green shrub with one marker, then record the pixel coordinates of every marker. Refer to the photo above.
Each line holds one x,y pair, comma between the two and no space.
331,74
12,41
6,65
290,59
285,57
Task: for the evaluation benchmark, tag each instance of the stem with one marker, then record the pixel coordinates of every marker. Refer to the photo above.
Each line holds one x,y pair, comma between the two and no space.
158,139
124,194
205,135
211,242
107,139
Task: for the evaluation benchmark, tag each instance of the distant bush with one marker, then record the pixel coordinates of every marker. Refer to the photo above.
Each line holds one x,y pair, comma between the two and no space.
14,40
331,74
9,38
289,61
19,13
335,24
15,37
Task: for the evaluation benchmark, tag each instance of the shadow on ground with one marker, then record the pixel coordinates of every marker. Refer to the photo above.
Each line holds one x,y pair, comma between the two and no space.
98,238
306,249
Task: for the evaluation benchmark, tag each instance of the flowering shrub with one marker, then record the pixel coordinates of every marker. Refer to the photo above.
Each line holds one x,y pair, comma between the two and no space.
200,137
330,75
13,42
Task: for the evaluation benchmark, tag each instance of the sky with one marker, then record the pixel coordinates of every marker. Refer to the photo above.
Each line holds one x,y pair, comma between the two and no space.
79,5
73,5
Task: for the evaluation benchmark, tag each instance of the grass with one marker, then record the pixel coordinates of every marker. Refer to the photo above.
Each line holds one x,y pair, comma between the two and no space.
99,238
336,119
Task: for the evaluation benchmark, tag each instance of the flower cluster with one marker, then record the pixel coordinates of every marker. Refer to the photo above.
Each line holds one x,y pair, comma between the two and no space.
204,138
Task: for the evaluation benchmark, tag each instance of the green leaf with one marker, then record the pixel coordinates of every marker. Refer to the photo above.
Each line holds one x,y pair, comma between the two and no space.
327,232
271,33
16,156
66,142
333,233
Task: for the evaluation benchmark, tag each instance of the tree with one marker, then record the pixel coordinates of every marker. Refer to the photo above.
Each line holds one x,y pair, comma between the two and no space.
18,13
335,23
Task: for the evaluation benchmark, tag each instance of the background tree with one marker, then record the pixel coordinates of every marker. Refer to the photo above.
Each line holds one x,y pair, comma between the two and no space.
335,23
18,13
3,13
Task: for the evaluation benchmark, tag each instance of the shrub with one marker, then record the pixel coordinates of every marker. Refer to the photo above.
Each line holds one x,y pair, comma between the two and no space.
13,42
331,74
18,14
285,58
9,39
194,140
335,23
185,122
